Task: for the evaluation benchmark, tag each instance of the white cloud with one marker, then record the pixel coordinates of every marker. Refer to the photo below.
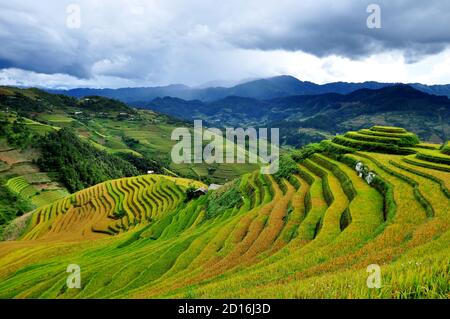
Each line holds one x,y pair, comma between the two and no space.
236,64
18,77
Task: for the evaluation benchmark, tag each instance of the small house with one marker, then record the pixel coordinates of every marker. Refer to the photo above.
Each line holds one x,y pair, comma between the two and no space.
214,187
200,191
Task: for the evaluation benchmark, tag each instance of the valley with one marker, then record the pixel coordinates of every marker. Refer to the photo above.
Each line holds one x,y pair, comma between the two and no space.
110,126
36,171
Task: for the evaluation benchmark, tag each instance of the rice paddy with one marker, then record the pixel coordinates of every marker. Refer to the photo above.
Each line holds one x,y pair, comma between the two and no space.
24,179
309,236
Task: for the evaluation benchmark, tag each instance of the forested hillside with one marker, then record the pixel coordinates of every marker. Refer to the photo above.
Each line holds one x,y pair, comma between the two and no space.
311,118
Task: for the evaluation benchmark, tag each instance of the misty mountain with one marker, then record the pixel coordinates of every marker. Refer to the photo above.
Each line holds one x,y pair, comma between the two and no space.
433,89
262,89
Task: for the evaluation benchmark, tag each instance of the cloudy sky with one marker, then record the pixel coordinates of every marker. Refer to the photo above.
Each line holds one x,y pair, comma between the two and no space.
118,43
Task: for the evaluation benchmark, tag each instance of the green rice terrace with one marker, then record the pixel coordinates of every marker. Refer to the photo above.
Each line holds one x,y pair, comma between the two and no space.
375,196
25,180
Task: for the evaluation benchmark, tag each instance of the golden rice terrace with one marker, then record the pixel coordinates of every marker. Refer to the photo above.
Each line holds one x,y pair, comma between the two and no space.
376,196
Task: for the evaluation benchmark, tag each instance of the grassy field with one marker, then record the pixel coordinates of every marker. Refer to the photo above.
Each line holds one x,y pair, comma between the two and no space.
310,236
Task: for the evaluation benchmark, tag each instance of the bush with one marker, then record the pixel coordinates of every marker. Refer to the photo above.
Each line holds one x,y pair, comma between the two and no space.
446,148
130,142
409,140
190,193
206,179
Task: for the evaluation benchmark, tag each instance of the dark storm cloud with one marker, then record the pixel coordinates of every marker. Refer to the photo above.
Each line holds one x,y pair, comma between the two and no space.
417,28
31,40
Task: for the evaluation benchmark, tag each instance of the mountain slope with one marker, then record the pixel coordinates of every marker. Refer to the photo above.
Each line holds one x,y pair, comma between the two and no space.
433,89
427,115
268,88
139,136
309,232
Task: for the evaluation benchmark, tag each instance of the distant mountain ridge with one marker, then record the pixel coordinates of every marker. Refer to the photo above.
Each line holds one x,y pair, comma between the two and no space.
261,89
300,109
402,105
363,101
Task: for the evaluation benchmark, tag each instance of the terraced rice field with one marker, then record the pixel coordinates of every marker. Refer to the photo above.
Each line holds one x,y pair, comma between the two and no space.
46,196
13,156
25,180
18,169
423,162
36,187
310,236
